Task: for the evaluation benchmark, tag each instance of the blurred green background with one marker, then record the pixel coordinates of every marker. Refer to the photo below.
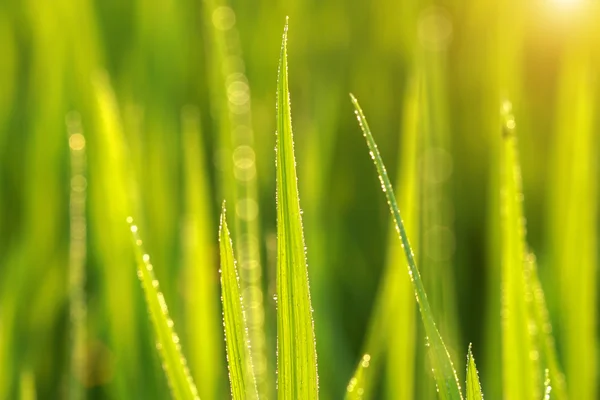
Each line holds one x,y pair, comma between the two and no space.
167,91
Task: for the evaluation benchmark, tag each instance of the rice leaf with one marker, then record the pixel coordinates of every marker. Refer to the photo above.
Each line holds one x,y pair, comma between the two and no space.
547,385
519,368
77,256
546,342
392,328
202,319
239,359
473,385
573,219
238,177
167,341
356,386
297,358
444,372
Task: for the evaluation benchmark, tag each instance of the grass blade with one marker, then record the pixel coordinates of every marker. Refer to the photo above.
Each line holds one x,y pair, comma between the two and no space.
547,386
546,342
519,369
77,256
473,385
392,328
445,374
201,288
573,220
231,95
239,359
297,357
356,386
167,341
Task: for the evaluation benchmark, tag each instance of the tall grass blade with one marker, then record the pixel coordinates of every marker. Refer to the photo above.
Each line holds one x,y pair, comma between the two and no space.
239,359
573,220
202,317
546,342
238,173
444,372
547,386
77,257
356,386
174,363
519,367
473,385
392,329
296,348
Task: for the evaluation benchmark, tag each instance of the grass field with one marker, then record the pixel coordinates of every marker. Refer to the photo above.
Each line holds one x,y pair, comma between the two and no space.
188,207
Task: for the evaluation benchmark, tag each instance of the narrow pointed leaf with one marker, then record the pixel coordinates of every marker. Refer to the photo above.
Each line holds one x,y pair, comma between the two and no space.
167,341
356,386
392,329
547,344
547,386
445,374
202,319
518,366
473,385
239,360
297,357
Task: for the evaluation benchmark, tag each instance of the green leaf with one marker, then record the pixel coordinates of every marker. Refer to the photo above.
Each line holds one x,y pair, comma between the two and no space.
547,385
239,359
546,342
473,385
77,257
392,329
444,372
167,341
356,386
519,368
202,308
573,219
297,356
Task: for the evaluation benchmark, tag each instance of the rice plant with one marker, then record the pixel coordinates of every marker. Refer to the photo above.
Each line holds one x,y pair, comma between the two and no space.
304,288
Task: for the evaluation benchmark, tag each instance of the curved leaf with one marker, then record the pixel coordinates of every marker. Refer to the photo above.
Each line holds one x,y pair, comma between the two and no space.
445,374
167,341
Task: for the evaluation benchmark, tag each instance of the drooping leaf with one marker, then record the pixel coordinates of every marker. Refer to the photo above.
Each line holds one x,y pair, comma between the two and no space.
474,391
444,372
167,341
239,359
392,329
297,358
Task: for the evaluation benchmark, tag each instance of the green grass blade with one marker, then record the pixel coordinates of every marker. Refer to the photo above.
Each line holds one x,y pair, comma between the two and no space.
167,341
238,177
547,386
239,359
296,347
573,220
77,257
392,328
202,319
519,369
546,342
444,372
356,386
473,385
